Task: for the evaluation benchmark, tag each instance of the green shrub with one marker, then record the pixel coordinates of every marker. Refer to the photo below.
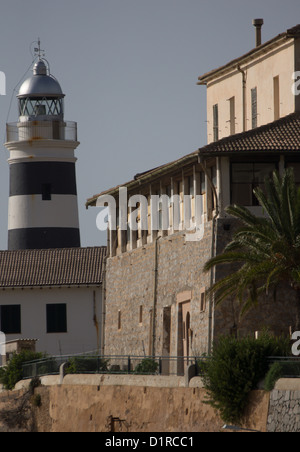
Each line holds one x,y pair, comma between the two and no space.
147,366
81,364
12,373
275,372
281,369
235,368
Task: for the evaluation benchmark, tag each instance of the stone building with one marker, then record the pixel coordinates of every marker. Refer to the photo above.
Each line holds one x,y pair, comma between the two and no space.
167,222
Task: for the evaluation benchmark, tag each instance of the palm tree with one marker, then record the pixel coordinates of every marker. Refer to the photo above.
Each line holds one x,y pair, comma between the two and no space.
267,248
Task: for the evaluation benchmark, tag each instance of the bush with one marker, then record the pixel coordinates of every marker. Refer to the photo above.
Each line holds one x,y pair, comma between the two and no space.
275,372
13,372
281,369
147,366
88,364
235,369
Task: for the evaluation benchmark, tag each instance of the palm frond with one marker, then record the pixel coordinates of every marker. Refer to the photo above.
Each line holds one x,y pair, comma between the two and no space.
266,250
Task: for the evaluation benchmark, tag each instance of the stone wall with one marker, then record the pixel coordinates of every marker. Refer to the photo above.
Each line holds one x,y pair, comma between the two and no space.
72,407
140,286
131,289
84,404
284,411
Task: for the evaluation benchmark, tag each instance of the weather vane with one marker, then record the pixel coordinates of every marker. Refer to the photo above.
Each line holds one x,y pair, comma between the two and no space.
38,51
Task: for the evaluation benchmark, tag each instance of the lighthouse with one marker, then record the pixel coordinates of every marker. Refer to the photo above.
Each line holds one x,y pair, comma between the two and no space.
43,206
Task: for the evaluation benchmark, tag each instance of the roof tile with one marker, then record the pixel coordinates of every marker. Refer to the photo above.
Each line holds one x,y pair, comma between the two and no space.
52,267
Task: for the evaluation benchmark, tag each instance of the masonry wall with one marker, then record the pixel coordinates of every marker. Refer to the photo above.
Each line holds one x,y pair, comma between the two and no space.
131,287
89,408
133,297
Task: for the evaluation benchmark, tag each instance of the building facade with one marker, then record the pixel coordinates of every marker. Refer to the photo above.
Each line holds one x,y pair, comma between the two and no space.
254,89
169,221
53,296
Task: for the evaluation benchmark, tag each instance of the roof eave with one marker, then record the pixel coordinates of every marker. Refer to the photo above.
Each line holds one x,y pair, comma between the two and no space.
145,178
231,65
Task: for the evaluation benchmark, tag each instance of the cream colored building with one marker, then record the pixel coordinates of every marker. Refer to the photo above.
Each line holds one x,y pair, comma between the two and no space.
254,89
156,299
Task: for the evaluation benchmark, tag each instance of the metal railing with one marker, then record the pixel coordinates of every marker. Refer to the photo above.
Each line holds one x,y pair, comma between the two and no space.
41,130
290,365
98,364
137,365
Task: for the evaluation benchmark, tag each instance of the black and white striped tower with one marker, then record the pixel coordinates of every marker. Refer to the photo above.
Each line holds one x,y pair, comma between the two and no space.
43,207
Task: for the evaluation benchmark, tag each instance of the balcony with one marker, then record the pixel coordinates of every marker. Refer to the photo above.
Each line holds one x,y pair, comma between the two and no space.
41,130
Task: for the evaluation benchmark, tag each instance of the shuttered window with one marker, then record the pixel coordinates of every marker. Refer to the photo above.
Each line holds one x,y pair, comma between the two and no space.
56,318
10,319
216,122
254,107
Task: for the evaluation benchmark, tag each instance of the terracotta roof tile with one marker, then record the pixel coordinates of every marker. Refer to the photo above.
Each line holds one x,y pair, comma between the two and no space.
282,135
53,267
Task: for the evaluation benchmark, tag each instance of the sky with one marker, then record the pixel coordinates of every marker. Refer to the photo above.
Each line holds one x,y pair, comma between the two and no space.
129,69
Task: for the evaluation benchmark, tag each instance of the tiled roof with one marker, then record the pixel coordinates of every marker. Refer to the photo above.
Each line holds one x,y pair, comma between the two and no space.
282,135
52,267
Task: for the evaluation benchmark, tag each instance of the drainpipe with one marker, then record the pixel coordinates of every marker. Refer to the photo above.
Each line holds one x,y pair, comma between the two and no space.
103,316
244,95
154,296
95,318
212,253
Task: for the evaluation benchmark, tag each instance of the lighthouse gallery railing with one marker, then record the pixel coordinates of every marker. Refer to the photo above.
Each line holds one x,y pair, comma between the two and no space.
41,130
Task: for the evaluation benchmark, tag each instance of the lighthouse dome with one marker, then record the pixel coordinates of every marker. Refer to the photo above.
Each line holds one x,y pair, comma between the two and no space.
40,84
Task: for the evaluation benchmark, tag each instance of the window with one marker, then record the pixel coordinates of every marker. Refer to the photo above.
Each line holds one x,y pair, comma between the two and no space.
254,107
119,320
245,177
232,115
276,98
141,315
38,107
296,167
10,319
56,318
216,122
202,301
46,192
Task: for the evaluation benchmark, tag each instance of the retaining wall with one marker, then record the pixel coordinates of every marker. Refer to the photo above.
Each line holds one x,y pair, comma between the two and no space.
105,403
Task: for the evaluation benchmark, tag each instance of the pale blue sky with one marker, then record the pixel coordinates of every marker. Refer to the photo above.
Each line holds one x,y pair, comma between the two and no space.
129,70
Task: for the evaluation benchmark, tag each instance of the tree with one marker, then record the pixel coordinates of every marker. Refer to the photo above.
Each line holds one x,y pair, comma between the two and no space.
12,372
266,248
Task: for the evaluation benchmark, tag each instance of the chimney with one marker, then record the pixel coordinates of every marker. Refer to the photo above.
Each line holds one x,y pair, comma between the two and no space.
258,23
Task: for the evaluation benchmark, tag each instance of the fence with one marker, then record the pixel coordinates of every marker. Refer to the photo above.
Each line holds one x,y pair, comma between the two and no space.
289,366
97,364
41,130
138,365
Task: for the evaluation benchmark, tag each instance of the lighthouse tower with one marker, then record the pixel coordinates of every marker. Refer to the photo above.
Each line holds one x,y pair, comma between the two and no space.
43,208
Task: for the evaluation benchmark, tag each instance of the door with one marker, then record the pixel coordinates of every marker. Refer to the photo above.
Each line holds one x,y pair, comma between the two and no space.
184,336
166,341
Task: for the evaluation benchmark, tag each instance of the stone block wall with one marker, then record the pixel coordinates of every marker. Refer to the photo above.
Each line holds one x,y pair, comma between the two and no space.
284,411
133,297
140,286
